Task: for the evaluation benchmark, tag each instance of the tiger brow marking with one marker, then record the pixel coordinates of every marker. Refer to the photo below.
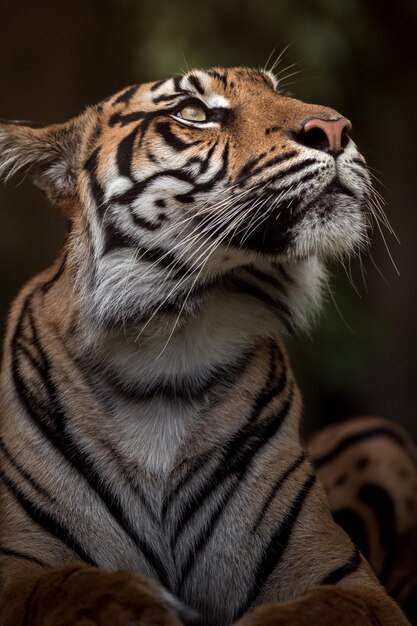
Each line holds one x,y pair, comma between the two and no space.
127,94
128,118
157,85
168,97
196,84
221,77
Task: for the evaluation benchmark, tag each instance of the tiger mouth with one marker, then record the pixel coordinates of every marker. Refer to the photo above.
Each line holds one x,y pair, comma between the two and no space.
337,187
274,233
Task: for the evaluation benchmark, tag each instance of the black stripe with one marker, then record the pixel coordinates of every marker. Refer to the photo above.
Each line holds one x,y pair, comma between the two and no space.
383,507
350,440
208,185
180,390
114,239
195,82
158,84
278,544
128,118
239,452
338,574
177,80
360,162
164,129
297,167
46,286
21,470
260,402
236,469
166,98
125,153
275,161
164,258
206,162
131,194
220,76
91,167
20,555
51,420
259,294
126,94
276,487
284,273
143,222
249,165
288,187
46,521
266,278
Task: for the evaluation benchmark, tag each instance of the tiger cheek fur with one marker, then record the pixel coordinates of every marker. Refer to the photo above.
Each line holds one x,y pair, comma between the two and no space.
150,431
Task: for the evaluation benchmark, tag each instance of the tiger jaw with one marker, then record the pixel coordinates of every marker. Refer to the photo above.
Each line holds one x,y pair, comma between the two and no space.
335,222
327,219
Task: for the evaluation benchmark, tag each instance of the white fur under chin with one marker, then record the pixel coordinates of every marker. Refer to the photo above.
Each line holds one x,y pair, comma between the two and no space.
344,232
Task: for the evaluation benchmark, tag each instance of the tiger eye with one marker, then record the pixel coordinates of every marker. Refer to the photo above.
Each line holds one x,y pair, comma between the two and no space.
193,113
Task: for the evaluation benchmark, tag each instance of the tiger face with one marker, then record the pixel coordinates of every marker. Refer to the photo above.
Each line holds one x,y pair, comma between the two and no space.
197,175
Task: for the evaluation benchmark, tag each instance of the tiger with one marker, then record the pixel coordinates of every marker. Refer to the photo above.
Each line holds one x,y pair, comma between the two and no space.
153,470
368,467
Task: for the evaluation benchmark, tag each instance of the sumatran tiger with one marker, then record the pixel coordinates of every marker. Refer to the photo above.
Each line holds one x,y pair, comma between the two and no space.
152,469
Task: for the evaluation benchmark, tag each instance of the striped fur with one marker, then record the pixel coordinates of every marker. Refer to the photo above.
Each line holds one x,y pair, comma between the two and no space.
369,469
150,416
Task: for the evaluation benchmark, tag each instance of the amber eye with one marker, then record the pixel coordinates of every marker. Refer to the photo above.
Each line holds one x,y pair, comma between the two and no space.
193,113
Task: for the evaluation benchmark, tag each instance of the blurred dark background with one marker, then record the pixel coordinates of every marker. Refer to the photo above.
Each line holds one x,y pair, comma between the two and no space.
358,56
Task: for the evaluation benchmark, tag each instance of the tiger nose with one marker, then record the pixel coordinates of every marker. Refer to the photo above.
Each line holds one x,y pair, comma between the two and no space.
326,135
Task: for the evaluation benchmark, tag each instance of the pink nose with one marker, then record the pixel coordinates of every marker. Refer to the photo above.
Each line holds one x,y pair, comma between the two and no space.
328,135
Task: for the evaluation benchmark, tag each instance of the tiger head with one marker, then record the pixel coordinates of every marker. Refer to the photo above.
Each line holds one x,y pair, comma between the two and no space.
182,181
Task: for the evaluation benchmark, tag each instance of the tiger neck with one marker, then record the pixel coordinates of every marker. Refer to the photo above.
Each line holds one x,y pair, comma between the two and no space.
151,389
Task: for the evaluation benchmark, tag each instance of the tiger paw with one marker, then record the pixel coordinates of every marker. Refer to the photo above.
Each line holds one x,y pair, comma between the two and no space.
78,595
327,606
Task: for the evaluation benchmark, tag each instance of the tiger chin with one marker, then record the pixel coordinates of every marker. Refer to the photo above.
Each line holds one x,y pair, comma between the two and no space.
151,463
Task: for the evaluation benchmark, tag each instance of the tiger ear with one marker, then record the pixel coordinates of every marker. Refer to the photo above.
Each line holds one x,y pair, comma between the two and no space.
50,155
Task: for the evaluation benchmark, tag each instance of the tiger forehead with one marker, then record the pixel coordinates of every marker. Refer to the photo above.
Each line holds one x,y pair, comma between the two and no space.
217,88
